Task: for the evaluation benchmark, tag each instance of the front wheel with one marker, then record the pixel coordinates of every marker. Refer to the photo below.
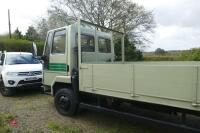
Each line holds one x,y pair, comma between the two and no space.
6,91
66,102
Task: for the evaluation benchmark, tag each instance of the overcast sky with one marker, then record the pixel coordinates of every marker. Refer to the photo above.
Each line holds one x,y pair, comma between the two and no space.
178,21
23,13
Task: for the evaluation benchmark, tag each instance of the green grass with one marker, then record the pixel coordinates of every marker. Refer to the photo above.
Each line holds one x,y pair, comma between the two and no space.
5,118
121,127
53,126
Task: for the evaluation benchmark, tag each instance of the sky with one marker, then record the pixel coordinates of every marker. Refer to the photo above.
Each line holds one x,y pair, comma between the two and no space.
178,21
23,13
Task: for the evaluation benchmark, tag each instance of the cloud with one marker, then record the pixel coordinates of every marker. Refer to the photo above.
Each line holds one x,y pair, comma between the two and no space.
176,38
184,13
23,13
178,20
178,23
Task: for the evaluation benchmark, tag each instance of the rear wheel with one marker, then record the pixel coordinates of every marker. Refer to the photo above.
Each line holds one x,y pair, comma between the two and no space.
66,102
6,91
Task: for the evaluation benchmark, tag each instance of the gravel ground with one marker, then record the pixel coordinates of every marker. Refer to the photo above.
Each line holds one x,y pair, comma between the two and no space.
35,113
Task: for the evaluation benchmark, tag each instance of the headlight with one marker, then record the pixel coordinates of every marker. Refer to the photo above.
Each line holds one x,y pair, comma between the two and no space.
12,73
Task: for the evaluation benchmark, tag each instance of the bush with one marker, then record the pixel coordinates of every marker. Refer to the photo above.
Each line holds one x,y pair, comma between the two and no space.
160,51
186,55
159,58
17,45
190,55
131,52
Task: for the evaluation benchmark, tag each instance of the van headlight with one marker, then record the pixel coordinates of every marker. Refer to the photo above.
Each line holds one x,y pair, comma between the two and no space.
11,73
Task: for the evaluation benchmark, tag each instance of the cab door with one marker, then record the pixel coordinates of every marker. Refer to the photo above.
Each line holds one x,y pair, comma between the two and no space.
88,57
55,53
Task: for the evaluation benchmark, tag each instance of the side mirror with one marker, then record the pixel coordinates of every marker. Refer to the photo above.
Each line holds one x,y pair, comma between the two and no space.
40,59
34,49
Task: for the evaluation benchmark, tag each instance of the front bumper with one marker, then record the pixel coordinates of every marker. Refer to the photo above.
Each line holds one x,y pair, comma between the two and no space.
31,83
23,81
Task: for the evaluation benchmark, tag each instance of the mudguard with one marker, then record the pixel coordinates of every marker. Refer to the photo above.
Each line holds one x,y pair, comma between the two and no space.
60,79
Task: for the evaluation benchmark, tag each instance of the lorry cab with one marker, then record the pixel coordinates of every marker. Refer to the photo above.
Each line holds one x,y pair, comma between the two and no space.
60,53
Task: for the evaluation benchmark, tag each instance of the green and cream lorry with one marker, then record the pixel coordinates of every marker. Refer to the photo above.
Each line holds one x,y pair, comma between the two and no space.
81,70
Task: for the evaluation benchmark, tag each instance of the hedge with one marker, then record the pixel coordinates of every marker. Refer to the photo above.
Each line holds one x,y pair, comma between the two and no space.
19,45
186,55
159,58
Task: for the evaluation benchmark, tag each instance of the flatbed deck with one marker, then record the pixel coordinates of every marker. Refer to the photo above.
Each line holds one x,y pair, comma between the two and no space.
175,84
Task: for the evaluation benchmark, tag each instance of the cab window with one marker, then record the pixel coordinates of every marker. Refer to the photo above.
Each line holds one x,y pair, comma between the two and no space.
87,43
48,44
59,41
104,45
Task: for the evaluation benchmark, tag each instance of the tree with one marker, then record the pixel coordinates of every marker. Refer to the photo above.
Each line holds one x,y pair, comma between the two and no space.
160,51
121,15
42,28
17,34
32,34
53,21
131,52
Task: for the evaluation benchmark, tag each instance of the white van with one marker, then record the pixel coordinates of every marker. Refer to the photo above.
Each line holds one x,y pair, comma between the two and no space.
17,70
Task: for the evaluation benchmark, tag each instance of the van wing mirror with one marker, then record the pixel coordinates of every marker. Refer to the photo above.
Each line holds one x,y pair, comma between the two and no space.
34,49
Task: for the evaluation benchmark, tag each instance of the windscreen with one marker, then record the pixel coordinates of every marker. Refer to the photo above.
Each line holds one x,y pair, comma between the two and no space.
14,59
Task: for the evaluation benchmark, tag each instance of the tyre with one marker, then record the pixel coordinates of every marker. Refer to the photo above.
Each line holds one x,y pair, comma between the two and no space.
66,102
6,91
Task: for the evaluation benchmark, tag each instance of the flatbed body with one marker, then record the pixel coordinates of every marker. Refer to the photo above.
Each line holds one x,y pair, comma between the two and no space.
173,84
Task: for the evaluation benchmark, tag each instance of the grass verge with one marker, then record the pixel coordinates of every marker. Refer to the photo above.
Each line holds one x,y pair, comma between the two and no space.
5,118
53,126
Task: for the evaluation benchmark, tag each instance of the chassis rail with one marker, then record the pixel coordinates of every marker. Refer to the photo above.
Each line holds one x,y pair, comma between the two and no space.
142,119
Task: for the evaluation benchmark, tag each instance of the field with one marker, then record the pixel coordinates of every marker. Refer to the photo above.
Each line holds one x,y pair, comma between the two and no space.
32,112
179,55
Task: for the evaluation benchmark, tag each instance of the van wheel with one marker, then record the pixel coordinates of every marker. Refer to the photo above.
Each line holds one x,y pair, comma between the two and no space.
66,102
5,91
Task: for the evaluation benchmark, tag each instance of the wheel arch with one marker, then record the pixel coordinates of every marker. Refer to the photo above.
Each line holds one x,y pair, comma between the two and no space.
60,82
60,85
67,82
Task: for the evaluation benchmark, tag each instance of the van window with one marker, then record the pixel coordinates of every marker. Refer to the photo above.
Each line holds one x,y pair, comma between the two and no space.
104,45
59,42
87,43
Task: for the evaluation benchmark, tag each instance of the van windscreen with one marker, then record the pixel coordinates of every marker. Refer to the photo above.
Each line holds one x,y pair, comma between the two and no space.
14,59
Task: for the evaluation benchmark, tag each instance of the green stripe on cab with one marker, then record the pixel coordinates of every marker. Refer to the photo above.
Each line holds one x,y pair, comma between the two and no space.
58,67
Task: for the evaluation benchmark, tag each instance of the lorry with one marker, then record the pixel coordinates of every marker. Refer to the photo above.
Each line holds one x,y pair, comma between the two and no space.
81,70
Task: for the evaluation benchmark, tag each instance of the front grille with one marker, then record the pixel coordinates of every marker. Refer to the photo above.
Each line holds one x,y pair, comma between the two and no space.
32,73
31,81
